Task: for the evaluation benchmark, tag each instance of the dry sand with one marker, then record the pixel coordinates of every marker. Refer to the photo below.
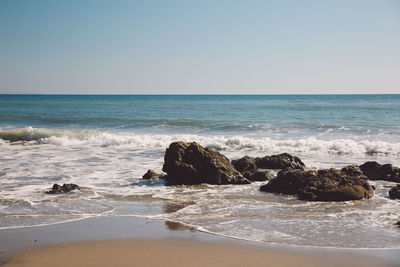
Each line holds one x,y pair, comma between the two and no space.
179,253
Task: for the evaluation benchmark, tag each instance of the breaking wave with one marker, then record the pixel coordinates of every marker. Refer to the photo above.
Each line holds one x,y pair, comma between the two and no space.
132,140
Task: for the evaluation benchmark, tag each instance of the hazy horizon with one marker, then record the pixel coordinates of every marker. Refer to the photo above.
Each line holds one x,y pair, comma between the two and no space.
199,94
209,47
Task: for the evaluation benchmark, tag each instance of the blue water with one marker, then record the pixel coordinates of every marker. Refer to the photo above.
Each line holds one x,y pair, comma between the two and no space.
277,115
106,143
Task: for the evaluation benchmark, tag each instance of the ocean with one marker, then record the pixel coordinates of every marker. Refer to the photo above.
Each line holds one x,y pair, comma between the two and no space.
105,143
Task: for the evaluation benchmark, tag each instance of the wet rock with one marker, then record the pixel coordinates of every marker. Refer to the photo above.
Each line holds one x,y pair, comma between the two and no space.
322,185
352,170
250,167
394,192
282,161
65,188
375,171
152,175
398,224
259,176
245,165
190,163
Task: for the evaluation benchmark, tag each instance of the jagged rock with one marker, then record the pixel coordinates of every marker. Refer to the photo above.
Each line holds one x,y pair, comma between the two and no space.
245,164
394,192
282,161
152,175
190,163
352,170
375,171
249,166
322,185
65,188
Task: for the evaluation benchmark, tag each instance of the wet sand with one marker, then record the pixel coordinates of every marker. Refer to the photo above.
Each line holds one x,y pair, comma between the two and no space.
130,241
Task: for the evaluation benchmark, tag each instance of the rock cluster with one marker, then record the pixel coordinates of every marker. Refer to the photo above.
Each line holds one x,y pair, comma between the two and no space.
375,171
190,164
321,185
65,188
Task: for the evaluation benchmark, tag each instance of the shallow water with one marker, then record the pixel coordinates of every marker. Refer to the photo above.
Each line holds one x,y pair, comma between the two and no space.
106,143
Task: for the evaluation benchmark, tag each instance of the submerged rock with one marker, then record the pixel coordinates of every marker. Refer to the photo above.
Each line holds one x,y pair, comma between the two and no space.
375,171
259,176
321,185
190,163
394,192
282,161
65,188
152,175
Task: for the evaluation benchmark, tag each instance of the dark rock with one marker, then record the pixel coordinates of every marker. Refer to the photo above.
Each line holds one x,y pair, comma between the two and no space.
247,167
369,167
245,164
259,175
282,161
375,171
398,224
394,192
65,188
322,185
152,175
352,170
190,163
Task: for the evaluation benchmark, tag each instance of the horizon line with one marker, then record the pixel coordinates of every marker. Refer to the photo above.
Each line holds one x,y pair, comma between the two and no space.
280,94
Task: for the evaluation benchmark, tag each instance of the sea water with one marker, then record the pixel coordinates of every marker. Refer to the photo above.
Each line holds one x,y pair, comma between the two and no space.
106,143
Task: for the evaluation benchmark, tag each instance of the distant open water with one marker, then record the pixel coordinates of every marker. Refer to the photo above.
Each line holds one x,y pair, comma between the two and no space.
106,143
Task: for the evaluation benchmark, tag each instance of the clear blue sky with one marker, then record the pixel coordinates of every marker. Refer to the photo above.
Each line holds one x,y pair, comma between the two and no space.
200,47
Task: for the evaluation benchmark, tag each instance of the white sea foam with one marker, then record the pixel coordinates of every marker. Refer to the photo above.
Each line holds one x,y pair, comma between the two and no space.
347,146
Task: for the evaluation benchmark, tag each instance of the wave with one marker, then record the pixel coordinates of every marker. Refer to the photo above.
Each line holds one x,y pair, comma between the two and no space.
25,134
115,121
132,140
169,123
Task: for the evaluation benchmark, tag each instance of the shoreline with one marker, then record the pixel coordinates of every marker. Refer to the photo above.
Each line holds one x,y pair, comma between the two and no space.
121,233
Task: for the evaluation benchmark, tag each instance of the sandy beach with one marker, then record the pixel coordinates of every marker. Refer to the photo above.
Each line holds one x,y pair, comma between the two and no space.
179,253
131,241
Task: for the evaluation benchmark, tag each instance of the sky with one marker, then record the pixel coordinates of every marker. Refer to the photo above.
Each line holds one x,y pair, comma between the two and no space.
200,47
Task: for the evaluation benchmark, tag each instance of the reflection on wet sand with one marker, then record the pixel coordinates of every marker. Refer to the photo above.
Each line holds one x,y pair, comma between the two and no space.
176,226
